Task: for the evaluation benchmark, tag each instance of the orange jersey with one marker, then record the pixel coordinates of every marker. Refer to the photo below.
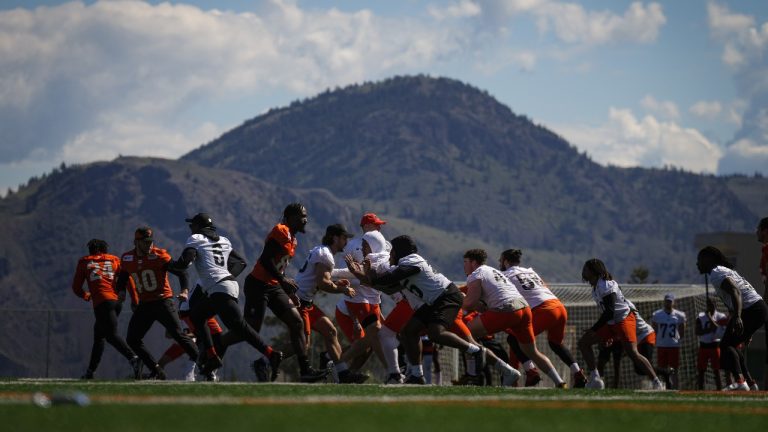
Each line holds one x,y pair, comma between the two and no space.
282,235
148,274
99,271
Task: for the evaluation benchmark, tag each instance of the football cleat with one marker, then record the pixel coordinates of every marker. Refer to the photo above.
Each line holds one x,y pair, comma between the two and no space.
136,365
532,377
350,377
332,375
595,383
274,364
213,363
416,380
562,385
737,387
579,379
211,377
753,386
395,378
260,367
658,385
312,375
157,374
87,375
510,377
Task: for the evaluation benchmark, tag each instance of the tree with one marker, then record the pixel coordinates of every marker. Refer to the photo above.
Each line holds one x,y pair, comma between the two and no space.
639,275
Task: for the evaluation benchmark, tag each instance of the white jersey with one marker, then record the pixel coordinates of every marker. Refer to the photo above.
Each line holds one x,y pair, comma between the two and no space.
305,279
668,327
642,328
605,288
720,320
341,306
748,294
530,285
427,285
211,264
497,292
366,294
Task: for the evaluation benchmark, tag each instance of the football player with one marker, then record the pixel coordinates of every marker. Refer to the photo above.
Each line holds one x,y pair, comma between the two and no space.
315,275
98,269
710,327
669,325
147,268
548,313
617,321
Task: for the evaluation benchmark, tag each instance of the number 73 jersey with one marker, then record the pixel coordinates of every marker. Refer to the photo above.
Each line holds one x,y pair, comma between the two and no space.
668,326
149,275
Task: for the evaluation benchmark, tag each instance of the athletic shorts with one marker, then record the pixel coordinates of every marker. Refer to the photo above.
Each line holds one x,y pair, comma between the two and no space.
709,355
361,311
459,326
310,314
443,311
260,295
347,326
668,357
400,314
624,331
550,316
650,339
518,323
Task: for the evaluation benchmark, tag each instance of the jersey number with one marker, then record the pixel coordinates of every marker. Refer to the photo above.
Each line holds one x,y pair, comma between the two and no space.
218,255
412,288
146,281
100,271
668,330
306,263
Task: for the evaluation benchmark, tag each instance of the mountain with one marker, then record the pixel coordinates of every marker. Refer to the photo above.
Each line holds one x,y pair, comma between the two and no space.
452,158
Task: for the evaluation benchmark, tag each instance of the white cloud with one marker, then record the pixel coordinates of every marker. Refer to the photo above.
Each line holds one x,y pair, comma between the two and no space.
709,110
666,109
626,140
462,9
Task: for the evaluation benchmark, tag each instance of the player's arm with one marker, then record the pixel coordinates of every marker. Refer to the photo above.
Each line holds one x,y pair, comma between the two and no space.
654,324
78,280
236,263
267,260
681,328
356,269
388,283
182,276
730,289
699,328
186,259
325,282
474,293
123,280
609,304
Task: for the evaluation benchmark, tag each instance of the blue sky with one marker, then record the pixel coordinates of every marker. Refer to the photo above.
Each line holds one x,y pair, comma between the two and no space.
681,83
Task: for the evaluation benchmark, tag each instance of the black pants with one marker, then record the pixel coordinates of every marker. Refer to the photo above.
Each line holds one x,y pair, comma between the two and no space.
105,328
225,306
144,316
731,358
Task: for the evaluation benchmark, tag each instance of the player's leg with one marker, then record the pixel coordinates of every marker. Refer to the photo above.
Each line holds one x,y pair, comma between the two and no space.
169,318
286,311
97,349
639,360
141,321
410,336
714,359
392,325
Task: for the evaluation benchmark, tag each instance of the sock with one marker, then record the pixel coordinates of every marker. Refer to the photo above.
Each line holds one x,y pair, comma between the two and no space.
303,363
575,368
502,367
341,367
529,365
268,351
472,349
594,374
416,370
552,373
389,344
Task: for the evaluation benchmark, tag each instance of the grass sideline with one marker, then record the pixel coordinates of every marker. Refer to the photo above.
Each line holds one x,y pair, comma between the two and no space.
166,406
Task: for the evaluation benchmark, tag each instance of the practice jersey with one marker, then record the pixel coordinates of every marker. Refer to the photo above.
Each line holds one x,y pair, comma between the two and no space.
748,294
605,288
305,279
668,327
282,235
530,285
427,285
211,262
148,273
642,328
99,272
366,294
721,320
498,292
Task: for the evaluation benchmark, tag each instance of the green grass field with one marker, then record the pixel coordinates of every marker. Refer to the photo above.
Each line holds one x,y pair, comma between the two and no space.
219,407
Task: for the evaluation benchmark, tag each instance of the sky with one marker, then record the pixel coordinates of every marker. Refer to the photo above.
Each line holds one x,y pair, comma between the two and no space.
631,83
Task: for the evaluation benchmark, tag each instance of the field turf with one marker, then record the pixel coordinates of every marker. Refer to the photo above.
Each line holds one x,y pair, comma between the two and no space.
218,407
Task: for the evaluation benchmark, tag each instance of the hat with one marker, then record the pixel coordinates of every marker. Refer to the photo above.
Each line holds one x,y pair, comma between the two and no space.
337,230
669,296
371,218
201,219
142,233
